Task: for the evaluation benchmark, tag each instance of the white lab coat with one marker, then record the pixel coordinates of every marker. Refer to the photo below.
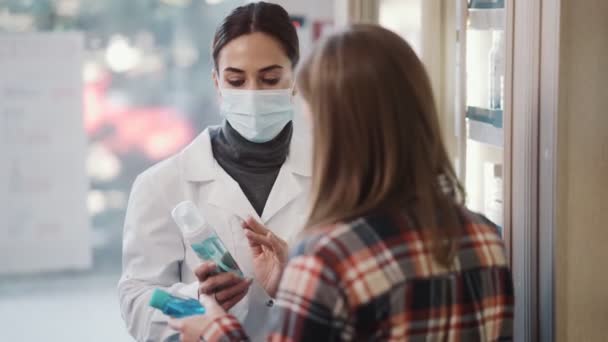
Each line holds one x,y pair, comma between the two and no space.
155,254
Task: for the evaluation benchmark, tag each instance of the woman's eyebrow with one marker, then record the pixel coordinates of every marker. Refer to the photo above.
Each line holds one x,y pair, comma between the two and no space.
270,68
231,69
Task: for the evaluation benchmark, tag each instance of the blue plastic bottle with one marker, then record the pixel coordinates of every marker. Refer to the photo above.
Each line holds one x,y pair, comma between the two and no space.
175,307
203,239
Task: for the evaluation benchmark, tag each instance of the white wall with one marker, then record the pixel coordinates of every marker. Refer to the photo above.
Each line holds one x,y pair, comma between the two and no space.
311,10
322,9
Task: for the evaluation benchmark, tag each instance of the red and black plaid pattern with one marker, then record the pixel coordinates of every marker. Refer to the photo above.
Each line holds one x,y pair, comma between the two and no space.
225,328
376,279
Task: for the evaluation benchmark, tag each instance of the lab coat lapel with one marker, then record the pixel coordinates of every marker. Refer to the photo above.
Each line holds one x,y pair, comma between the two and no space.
199,166
288,187
225,193
285,189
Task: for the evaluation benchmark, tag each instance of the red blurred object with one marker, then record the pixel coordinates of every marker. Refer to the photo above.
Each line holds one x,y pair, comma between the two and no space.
157,132
319,28
297,20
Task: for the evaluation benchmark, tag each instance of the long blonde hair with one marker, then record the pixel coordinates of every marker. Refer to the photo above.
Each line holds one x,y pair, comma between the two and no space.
377,142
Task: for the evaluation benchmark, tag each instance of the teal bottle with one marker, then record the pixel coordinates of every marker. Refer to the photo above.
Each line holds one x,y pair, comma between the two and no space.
203,239
174,306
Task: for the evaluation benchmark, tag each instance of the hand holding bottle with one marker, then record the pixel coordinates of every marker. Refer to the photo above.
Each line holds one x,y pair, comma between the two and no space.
226,288
192,328
219,275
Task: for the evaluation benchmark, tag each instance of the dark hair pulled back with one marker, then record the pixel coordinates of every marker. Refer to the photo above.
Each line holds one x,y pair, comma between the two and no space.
264,17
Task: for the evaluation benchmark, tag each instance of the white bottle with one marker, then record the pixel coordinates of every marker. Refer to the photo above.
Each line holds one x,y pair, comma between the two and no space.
497,70
202,238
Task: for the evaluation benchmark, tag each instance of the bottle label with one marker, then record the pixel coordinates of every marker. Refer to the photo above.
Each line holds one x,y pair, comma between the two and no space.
212,249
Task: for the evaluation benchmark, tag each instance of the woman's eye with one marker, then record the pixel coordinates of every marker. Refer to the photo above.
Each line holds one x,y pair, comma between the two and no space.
236,83
271,81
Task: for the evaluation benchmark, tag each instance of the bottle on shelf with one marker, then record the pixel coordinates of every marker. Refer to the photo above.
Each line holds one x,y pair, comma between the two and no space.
497,71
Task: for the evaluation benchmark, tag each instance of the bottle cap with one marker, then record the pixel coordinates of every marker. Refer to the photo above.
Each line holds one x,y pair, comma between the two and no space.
159,299
187,217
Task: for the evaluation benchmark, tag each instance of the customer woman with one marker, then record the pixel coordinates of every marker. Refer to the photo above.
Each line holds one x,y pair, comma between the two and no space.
251,168
390,252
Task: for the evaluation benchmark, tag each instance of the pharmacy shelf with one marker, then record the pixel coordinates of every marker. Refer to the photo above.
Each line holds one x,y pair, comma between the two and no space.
486,19
486,4
489,116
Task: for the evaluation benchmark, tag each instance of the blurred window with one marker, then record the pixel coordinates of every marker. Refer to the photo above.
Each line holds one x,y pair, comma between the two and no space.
147,93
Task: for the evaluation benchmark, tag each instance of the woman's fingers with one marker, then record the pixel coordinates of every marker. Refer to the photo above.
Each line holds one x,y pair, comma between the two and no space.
256,239
269,241
212,308
190,328
259,236
253,225
227,305
217,282
205,270
256,247
176,324
281,247
277,241
228,293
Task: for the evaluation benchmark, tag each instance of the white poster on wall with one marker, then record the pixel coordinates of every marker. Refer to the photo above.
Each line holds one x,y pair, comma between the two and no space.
44,224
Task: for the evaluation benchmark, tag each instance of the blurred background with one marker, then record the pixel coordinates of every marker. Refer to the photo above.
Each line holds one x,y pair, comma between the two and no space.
93,92
144,70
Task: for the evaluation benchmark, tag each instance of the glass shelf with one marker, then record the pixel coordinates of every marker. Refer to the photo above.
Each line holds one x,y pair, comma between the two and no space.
484,75
485,115
486,4
486,19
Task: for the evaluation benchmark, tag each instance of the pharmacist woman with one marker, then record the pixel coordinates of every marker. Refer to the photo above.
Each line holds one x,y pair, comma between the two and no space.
251,168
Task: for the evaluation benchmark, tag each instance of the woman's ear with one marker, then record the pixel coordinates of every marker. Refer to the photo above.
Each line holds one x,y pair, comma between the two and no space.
216,82
294,88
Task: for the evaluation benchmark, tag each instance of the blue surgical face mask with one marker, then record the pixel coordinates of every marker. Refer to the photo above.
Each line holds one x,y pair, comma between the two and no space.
258,115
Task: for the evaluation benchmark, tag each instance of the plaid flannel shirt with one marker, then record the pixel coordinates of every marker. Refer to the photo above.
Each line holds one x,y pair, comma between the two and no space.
375,280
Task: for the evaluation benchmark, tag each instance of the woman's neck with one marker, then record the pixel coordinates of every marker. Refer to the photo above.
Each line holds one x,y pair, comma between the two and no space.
236,150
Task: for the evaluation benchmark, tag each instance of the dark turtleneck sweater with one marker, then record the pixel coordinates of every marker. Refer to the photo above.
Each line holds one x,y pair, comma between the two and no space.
254,166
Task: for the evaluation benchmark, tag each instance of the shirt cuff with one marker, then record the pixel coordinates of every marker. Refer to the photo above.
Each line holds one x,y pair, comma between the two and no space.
225,329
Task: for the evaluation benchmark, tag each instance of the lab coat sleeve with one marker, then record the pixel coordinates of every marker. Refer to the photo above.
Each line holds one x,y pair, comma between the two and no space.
153,251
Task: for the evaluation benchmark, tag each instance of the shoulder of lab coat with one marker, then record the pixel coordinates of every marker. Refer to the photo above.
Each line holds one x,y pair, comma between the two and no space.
153,248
